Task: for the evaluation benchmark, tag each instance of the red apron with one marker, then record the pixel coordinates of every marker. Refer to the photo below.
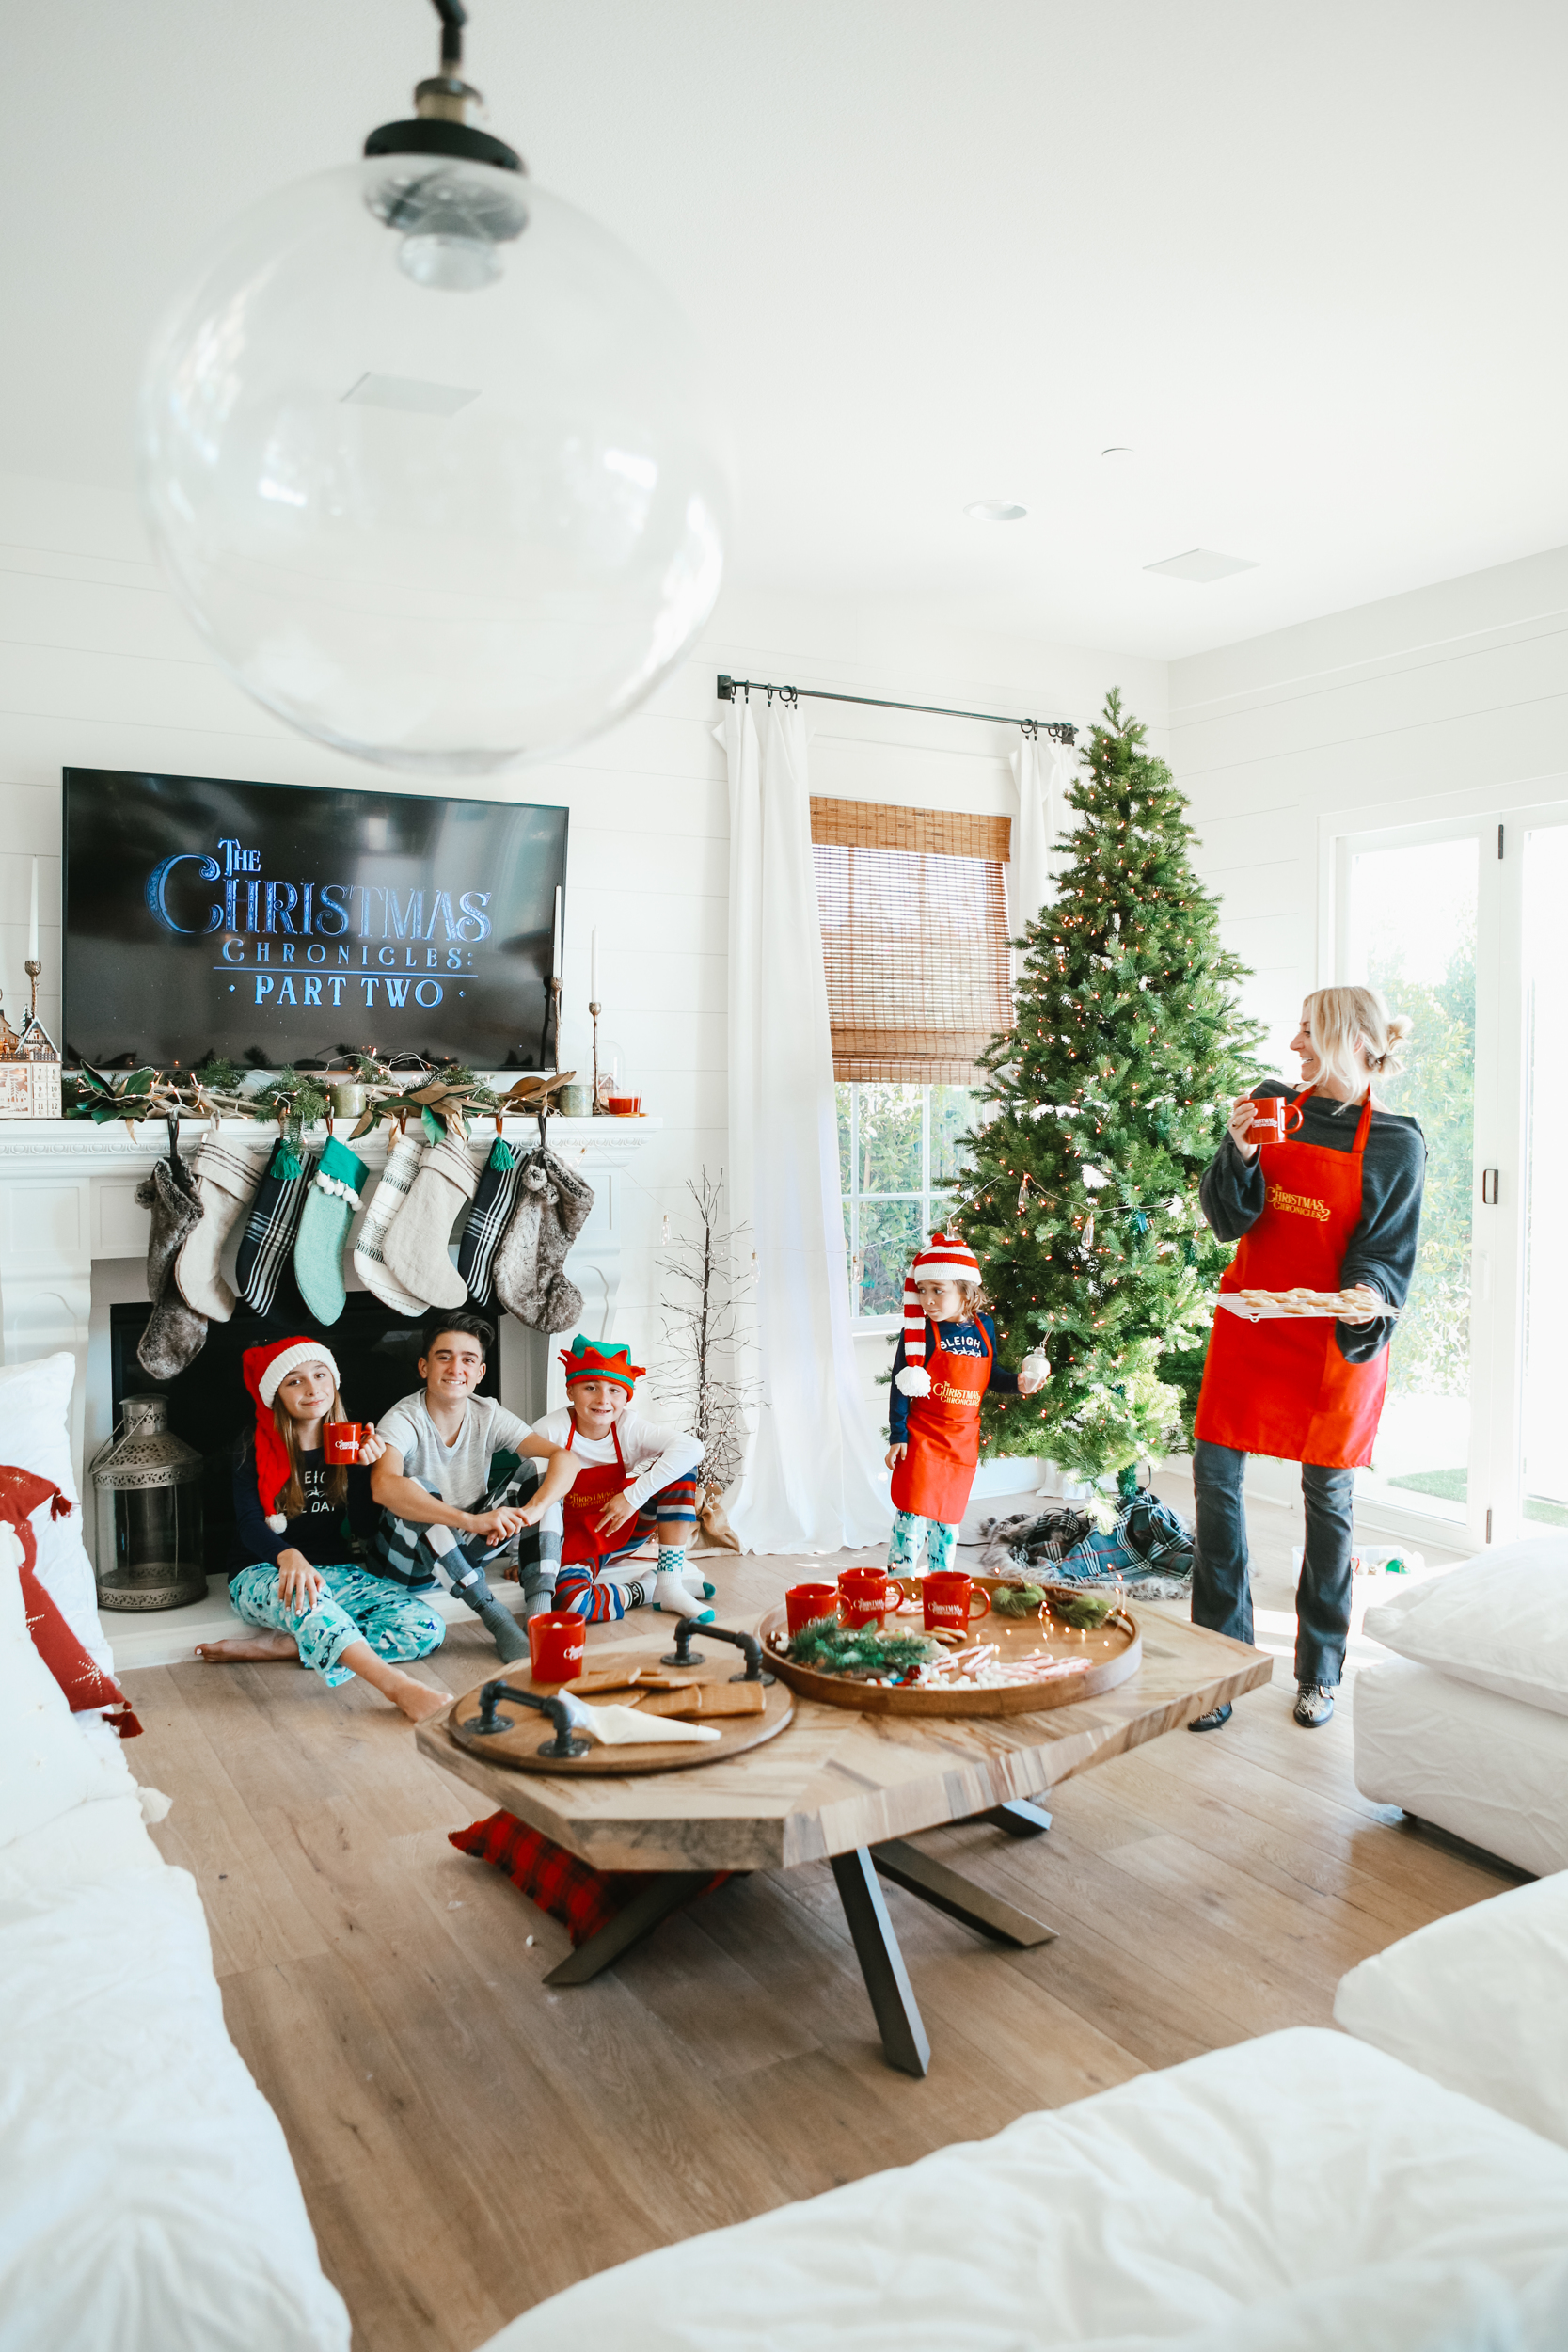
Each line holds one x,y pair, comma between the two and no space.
1283,1387
582,1543
934,1478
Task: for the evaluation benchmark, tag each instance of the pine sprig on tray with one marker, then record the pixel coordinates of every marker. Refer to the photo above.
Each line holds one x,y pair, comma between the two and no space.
861,1651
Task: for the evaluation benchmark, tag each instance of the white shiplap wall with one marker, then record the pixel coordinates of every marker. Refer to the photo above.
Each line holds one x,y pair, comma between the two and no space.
98,669
1429,704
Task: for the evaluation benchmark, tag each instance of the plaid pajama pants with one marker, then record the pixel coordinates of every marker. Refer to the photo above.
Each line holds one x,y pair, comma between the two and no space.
416,1555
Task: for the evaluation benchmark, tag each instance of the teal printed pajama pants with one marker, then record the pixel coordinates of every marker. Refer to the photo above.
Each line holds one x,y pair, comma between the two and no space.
352,1607
908,1529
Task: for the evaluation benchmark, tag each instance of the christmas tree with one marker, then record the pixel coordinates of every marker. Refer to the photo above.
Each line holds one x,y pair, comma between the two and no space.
1111,1094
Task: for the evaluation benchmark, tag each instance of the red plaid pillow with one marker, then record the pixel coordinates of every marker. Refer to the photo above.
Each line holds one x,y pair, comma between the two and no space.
582,1898
85,1683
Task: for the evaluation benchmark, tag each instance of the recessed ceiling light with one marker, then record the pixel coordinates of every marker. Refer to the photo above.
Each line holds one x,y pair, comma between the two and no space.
1117,449
1202,564
995,511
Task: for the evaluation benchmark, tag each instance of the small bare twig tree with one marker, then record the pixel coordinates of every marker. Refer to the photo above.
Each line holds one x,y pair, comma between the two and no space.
707,1296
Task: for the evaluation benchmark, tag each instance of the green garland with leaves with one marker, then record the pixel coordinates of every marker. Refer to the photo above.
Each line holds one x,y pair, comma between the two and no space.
445,1100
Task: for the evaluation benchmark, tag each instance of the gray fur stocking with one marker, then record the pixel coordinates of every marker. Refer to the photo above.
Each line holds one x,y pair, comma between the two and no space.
529,1275
175,1333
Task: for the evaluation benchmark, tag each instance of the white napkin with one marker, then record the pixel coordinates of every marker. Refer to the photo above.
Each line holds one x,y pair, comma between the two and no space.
624,1726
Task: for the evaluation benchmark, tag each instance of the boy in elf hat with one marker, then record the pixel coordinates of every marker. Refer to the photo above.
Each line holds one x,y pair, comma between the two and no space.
460,1478
635,1474
944,1363
293,1574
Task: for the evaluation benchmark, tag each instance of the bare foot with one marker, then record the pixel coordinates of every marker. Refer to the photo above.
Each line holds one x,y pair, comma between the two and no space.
417,1699
249,1645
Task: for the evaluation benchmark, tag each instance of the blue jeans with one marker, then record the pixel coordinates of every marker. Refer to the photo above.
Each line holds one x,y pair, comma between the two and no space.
1222,1596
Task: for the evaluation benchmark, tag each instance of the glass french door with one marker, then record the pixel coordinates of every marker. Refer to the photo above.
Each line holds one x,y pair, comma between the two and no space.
1463,925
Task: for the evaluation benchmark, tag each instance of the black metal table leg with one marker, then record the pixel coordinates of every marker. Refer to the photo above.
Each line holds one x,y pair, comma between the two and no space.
959,1898
887,1979
1018,1818
665,1892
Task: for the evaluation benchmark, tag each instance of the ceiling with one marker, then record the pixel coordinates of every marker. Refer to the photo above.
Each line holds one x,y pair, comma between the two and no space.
1307,263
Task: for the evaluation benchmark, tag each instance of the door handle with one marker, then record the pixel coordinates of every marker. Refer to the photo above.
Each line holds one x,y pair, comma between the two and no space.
1489,1186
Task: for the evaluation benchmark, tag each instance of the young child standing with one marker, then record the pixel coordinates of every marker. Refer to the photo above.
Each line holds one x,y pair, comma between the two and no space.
944,1363
635,1474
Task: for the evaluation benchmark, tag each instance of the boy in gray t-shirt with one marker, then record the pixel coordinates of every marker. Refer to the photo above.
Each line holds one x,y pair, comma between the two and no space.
460,1478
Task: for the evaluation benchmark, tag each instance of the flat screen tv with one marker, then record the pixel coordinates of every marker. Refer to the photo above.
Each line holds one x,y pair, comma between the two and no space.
276,923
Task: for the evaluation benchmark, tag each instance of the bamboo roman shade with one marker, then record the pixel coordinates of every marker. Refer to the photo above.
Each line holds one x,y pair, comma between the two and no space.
915,938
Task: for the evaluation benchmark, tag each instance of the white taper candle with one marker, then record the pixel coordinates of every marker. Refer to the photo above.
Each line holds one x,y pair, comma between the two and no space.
33,919
555,952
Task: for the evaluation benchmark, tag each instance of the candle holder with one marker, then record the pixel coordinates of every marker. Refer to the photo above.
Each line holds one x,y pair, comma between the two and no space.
33,967
594,1007
555,1020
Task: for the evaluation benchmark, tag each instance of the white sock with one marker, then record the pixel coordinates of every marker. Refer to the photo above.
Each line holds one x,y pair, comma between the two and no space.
414,1248
679,1599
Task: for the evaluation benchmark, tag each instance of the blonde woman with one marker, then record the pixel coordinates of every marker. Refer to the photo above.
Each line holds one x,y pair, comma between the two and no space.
1336,1207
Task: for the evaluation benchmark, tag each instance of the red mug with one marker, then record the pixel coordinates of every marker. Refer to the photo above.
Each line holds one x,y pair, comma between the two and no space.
805,1603
949,1597
866,1596
344,1439
556,1643
1273,1119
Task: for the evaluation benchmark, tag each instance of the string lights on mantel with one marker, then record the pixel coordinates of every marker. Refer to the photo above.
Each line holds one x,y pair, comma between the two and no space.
430,457
1059,730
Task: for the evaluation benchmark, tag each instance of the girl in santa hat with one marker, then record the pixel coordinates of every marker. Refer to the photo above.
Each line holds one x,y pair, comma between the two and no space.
296,1580
944,1363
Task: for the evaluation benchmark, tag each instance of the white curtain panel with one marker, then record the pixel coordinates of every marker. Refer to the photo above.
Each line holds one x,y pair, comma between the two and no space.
1043,771
813,1478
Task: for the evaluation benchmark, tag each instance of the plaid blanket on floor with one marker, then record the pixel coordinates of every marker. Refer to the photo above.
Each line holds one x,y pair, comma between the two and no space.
582,1898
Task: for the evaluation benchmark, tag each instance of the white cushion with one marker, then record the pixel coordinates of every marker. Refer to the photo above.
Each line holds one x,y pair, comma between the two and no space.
1485,1768
1499,1620
1275,2176
1479,2002
147,2199
46,1767
35,1435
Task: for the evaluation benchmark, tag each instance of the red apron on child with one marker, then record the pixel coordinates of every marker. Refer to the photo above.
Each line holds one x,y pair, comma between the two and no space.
1282,1388
582,1543
934,1478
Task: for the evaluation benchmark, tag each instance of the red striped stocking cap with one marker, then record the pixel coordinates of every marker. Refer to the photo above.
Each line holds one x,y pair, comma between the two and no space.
265,1371
945,1259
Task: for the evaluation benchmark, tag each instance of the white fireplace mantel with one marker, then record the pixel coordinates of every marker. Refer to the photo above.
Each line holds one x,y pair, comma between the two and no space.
68,1199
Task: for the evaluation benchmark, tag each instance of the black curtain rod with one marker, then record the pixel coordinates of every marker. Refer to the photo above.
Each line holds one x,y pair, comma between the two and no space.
1059,730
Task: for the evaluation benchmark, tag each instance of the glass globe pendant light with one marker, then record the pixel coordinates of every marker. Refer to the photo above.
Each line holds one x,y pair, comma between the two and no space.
428,456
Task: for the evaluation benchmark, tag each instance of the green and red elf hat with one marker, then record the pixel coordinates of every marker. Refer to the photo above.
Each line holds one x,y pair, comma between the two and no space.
585,1360
265,1371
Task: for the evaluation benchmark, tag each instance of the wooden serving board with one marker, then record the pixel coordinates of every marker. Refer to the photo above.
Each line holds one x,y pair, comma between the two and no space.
517,1747
1114,1652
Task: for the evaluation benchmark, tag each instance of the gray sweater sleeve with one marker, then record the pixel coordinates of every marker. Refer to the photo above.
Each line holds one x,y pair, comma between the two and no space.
1382,1250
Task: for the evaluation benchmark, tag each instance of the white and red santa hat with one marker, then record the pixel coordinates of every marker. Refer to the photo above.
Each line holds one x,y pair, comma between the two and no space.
945,1259
265,1371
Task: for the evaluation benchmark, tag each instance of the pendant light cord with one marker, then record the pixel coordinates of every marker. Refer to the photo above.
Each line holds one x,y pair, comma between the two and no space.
453,16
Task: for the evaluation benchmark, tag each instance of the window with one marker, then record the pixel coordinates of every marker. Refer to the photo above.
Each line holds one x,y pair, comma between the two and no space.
895,1142
914,909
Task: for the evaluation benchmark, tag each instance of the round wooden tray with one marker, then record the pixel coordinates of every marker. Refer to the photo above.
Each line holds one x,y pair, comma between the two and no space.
1114,1651
518,1746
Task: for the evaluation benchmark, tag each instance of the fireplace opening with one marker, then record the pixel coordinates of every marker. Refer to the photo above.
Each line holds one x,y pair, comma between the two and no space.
376,1352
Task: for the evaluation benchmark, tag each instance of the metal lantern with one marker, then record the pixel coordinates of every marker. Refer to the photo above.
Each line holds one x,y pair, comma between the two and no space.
148,1482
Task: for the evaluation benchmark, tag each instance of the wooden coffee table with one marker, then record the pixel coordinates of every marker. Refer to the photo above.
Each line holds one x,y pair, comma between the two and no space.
850,1790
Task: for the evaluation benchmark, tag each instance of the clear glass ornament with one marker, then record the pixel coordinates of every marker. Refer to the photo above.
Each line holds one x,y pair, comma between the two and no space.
430,460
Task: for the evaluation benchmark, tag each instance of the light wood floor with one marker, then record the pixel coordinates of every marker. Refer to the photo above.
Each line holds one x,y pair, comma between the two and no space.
470,2143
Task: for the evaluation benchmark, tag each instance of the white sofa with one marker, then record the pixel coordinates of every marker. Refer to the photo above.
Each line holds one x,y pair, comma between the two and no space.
1466,1725
148,2202
1405,2190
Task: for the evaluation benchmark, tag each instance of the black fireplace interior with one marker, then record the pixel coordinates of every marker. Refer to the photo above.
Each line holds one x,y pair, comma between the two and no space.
376,1352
